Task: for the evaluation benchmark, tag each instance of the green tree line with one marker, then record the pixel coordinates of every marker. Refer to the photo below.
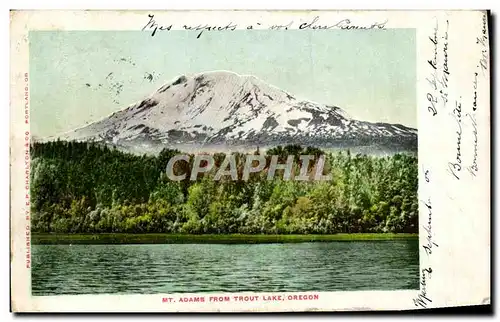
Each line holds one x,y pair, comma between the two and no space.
79,187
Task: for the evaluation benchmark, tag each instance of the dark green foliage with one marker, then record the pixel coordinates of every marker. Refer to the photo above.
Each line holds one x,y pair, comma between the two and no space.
89,188
155,238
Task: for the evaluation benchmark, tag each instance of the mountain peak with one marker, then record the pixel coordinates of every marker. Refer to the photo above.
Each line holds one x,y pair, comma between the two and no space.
222,107
223,83
219,76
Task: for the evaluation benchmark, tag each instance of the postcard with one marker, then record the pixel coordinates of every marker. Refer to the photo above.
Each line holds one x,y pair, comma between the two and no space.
249,161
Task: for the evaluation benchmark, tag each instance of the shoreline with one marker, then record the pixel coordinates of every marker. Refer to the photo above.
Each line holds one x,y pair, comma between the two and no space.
125,239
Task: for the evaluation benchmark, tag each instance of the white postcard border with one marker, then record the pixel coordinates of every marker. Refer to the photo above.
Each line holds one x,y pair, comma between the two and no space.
460,208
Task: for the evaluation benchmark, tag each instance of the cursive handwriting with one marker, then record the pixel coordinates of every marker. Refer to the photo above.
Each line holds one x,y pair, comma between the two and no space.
428,228
446,71
481,68
433,101
154,27
426,175
314,24
434,41
422,299
473,168
455,167
483,62
202,28
474,97
440,72
281,27
345,24
482,40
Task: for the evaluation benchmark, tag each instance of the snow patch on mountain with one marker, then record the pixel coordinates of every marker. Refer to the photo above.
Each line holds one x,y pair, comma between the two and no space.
226,108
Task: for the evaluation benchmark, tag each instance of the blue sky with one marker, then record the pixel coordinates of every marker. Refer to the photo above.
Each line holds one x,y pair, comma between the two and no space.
82,76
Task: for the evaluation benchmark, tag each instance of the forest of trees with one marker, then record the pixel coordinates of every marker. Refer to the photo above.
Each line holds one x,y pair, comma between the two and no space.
90,188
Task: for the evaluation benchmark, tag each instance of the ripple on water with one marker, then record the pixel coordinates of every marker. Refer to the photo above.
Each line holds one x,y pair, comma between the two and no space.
89,269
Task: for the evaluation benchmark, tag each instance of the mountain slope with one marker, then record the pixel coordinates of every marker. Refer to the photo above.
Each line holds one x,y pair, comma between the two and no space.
224,108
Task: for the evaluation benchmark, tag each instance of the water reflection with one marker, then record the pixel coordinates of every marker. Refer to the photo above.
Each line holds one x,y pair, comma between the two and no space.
90,269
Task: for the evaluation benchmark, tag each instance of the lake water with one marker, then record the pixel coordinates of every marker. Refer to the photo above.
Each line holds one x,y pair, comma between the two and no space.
330,266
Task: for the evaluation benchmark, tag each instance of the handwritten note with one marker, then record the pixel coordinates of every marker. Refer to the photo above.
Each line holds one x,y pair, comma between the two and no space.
456,74
439,71
455,166
315,23
423,297
480,75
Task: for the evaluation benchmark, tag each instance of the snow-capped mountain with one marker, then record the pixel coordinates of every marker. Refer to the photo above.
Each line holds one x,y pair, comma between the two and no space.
226,109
